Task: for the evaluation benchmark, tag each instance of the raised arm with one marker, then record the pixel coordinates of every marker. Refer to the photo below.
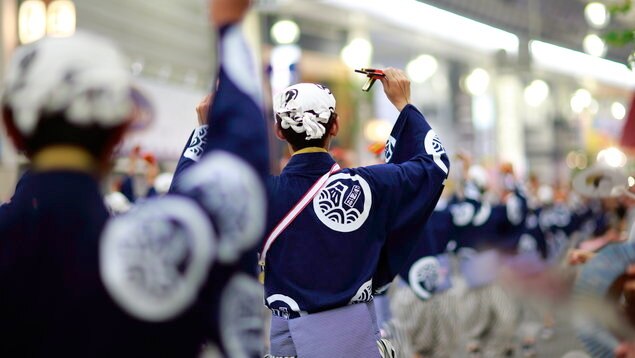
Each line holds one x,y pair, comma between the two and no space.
196,144
182,256
413,178
236,120
231,119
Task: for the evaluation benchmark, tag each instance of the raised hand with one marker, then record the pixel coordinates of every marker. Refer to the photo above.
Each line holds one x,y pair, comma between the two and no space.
397,87
225,12
202,108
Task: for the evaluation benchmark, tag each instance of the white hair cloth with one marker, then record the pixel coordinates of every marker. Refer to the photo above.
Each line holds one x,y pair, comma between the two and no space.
305,107
83,76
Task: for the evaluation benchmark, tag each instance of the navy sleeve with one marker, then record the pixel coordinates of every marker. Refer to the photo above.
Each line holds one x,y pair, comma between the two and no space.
211,221
192,153
408,188
237,123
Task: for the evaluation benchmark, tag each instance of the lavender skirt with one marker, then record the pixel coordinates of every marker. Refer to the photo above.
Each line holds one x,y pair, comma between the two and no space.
349,331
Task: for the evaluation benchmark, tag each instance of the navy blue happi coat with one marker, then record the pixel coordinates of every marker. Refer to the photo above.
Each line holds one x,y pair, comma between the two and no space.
357,228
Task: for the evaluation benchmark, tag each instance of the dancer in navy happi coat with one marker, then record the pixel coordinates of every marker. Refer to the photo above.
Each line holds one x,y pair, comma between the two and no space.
319,270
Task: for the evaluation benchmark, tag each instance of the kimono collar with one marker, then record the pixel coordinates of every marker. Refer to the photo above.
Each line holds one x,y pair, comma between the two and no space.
64,157
310,161
310,150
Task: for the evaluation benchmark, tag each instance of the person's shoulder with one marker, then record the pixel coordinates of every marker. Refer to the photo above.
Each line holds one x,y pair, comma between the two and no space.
374,172
365,172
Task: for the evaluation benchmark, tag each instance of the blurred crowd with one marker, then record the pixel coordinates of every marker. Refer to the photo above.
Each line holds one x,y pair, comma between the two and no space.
509,256
142,180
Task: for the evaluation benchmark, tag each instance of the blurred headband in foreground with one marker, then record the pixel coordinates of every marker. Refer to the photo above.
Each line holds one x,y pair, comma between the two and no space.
84,77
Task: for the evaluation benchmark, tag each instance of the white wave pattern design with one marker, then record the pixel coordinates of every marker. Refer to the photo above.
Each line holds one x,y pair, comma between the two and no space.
364,293
335,205
331,202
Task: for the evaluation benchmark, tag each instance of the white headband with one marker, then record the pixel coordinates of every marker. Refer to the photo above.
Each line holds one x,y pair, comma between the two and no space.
84,76
304,107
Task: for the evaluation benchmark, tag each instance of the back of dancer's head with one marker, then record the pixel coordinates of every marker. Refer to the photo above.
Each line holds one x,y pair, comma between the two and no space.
305,113
74,91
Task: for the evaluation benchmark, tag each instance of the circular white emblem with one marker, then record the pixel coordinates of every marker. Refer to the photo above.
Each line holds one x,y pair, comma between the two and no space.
241,317
155,258
424,275
231,193
344,203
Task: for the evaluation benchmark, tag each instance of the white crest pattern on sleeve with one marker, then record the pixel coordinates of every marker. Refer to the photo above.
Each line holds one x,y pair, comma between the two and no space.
196,148
232,194
241,317
433,146
155,258
390,148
